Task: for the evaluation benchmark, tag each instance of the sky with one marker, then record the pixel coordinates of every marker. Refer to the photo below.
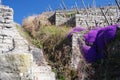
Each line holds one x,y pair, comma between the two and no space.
25,8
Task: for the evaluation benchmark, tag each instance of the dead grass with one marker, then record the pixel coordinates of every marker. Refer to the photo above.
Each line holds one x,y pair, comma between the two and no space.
32,23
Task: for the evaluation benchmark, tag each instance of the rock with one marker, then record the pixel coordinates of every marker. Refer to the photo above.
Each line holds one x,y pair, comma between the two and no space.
38,56
15,66
43,73
22,67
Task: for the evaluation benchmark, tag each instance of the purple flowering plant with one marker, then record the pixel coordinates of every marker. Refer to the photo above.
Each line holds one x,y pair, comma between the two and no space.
75,30
97,40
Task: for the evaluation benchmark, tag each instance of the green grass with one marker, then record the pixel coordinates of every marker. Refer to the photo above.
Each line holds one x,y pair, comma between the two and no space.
51,35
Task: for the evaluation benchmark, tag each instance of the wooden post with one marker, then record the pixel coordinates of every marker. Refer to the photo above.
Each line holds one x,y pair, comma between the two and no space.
117,2
87,23
61,6
106,11
104,16
76,7
64,6
96,23
85,7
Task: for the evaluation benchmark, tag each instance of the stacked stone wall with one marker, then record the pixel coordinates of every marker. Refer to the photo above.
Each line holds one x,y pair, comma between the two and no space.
91,17
18,59
96,18
60,18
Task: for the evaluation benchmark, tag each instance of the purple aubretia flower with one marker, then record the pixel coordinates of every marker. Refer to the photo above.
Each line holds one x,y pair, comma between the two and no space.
98,39
75,30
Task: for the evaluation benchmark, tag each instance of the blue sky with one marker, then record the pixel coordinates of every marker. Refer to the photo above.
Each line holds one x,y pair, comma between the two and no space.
24,8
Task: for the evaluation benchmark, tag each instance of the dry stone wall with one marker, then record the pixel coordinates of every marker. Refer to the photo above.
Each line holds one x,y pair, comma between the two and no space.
91,17
6,15
19,60
76,52
60,18
96,18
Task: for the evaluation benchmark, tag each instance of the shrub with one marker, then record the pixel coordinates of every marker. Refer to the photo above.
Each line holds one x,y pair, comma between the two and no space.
32,23
29,26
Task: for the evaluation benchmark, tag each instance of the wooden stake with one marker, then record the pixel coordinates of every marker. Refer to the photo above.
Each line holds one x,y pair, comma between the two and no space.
104,16
61,6
117,2
64,6
87,23
85,7
76,8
